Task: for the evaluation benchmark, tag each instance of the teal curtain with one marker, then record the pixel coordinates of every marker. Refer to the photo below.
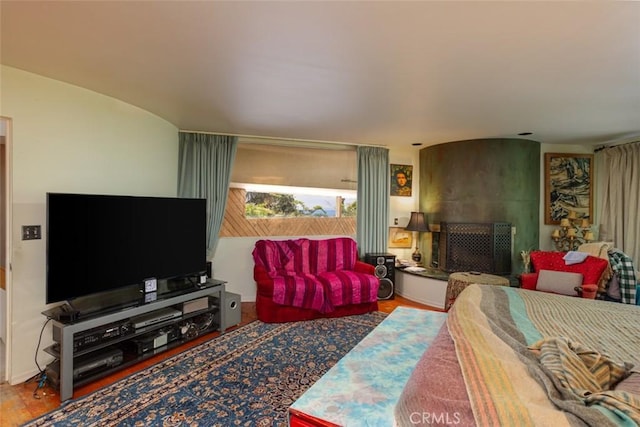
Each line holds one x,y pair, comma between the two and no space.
373,200
204,171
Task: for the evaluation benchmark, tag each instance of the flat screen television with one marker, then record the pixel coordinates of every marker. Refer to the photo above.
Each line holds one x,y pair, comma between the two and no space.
99,243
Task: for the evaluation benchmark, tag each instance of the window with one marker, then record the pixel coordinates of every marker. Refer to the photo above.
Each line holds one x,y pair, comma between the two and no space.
264,201
293,179
291,188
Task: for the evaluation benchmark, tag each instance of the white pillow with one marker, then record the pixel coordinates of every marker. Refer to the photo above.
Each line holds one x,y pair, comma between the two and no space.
560,282
574,257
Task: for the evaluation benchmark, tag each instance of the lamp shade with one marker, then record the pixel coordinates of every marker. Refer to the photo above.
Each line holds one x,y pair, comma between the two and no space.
417,222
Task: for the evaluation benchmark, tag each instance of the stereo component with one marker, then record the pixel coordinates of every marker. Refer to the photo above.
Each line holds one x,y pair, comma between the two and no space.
195,305
232,310
386,290
86,365
93,362
384,264
197,325
154,317
97,335
156,339
209,270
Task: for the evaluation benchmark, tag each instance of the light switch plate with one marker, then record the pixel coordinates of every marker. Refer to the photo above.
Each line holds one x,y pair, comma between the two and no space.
31,232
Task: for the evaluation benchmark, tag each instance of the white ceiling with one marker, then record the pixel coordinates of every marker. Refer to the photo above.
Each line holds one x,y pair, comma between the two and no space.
384,73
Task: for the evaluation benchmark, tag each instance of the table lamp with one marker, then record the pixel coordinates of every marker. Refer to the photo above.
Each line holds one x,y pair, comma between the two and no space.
417,224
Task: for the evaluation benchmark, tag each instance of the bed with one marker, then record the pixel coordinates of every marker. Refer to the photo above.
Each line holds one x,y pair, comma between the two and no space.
507,356
363,387
521,357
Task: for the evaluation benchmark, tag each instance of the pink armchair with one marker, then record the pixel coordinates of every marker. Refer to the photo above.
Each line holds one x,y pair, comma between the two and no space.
306,279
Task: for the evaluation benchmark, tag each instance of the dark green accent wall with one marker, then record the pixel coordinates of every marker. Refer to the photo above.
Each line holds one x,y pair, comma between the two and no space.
484,180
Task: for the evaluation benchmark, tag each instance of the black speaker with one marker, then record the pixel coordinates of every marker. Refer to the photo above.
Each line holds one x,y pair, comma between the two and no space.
385,271
209,270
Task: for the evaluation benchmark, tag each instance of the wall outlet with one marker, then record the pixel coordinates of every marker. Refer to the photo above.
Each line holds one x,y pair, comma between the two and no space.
31,232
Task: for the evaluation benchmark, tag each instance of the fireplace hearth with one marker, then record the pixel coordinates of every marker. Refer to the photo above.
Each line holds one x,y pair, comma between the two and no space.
481,247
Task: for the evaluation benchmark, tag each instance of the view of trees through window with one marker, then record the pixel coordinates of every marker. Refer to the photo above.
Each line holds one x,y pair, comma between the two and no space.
265,205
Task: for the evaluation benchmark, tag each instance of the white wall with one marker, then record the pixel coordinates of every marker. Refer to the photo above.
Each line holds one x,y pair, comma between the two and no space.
400,207
68,139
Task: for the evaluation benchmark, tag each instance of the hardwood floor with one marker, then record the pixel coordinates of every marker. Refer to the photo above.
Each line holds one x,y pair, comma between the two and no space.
21,403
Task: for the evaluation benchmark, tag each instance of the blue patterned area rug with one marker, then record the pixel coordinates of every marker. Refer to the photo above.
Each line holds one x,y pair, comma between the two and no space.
247,377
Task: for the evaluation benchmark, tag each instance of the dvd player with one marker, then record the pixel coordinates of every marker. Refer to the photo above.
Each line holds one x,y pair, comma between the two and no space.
154,317
86,365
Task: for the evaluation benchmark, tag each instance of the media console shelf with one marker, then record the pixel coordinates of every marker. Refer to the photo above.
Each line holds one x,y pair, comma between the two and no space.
94,346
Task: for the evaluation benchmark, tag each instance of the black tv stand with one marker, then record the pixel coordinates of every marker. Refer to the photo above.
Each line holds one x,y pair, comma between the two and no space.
94,344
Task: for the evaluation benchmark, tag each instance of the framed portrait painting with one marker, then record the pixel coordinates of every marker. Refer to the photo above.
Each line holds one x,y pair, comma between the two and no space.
567,186
400,238
401,180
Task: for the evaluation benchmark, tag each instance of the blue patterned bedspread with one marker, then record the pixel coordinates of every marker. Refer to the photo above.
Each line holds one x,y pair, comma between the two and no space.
363,388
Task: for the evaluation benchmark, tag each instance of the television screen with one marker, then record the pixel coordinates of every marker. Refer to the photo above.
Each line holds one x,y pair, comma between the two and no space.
97,243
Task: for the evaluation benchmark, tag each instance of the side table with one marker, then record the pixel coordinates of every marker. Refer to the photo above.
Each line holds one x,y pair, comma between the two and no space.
459,281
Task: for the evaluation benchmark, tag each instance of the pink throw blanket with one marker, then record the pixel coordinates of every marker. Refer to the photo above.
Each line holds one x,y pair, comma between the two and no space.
315,274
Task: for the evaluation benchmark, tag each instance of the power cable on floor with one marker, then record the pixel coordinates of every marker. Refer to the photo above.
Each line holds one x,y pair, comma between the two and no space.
41,376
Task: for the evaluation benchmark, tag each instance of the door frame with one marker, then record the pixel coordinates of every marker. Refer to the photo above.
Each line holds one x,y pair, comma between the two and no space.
8,191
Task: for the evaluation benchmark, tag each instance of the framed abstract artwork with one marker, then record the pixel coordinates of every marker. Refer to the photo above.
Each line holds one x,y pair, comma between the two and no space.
568,186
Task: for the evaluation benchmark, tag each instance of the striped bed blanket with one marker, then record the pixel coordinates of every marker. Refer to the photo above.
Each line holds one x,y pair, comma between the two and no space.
533,358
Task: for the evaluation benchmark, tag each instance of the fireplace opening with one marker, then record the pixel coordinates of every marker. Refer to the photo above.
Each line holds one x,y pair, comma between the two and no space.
481,247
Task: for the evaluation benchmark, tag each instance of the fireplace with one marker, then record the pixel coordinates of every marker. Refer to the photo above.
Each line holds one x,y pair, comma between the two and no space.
482,247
